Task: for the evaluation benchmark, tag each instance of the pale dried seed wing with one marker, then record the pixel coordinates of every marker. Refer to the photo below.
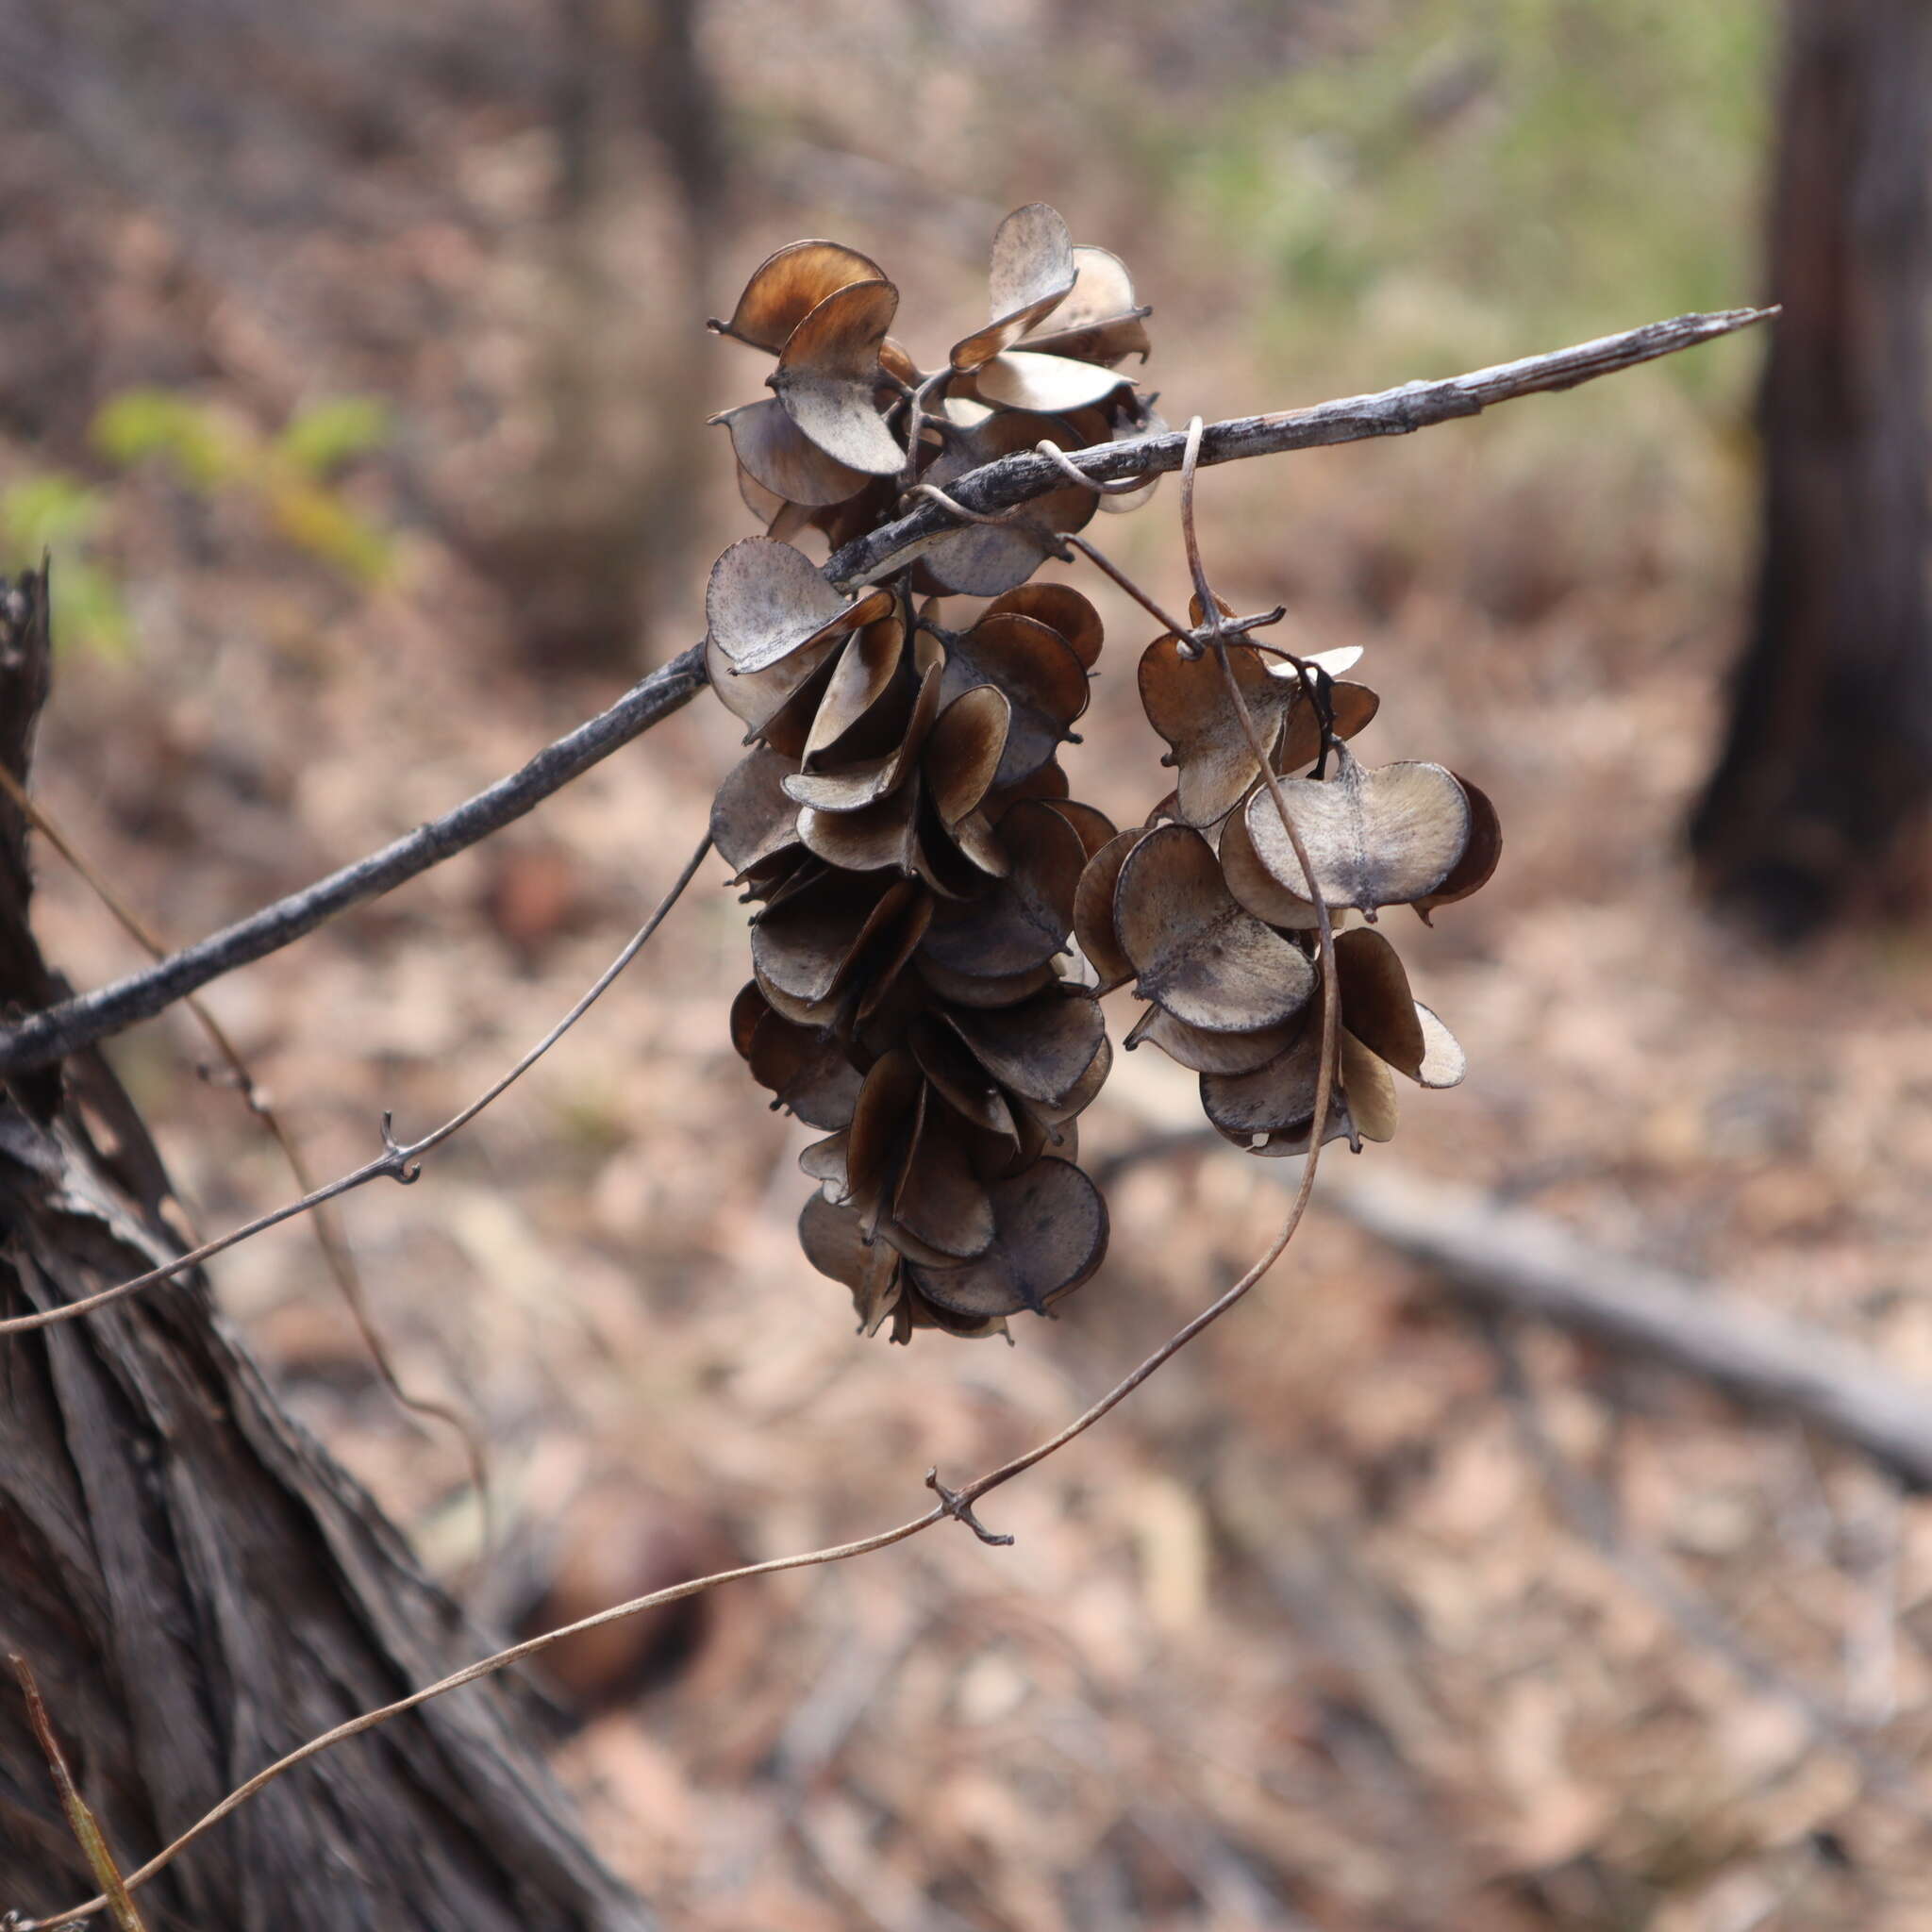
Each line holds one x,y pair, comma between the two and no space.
1134,418
1443,1062
1371,1090
1100,320
826,1162
1375,836
1193,948
1254,885
1033,271
785,462
788,285
765,601
1049,385
829,371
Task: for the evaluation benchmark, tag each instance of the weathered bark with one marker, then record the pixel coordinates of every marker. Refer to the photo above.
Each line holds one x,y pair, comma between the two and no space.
1826,767
196,1584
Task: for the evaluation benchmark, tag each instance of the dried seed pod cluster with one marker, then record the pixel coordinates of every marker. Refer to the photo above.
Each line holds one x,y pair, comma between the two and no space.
904,823
1208,910
851,421
901,818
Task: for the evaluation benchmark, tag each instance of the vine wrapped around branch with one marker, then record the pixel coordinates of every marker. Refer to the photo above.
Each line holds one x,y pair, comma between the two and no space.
62,1029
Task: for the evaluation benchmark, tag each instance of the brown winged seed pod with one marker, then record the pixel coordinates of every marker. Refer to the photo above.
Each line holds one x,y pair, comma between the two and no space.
1212,918
902,821
900,818
852,421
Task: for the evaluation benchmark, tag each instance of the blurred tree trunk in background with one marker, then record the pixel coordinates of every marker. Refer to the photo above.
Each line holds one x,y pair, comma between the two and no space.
197,1585
600,532
1817,798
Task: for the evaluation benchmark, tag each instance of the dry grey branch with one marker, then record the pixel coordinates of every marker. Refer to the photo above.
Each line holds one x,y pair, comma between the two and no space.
1001,485
1019,479
57,1031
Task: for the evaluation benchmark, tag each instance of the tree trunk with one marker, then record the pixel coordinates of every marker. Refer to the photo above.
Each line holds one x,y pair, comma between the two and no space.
1826,769
196,1584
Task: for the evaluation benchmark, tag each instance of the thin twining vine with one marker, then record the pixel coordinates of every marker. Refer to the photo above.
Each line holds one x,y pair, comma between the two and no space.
830,428
397,1161
958,1504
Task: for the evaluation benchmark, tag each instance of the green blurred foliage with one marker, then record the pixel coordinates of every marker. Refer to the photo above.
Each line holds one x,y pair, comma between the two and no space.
290,474
1478,176
55,515
290,477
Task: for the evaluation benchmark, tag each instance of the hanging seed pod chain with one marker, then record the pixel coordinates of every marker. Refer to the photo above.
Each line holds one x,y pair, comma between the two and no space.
904,825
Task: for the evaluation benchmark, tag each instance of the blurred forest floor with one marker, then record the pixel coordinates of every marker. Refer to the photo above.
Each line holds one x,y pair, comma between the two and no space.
1303,1637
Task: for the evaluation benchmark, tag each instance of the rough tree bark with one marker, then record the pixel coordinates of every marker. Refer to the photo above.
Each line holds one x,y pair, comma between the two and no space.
1826,767
196,1584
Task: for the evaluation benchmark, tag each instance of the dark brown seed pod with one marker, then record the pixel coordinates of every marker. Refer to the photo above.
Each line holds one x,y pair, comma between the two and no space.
1050,1234
987,559
1186,701
1024,918
1477,865
1044,684
788,285
1099,321
777,455
902,814
1196,951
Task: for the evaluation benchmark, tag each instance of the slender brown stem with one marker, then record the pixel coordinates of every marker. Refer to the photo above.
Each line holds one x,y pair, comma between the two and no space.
80,1817
398,1162
1190,458
1099,560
